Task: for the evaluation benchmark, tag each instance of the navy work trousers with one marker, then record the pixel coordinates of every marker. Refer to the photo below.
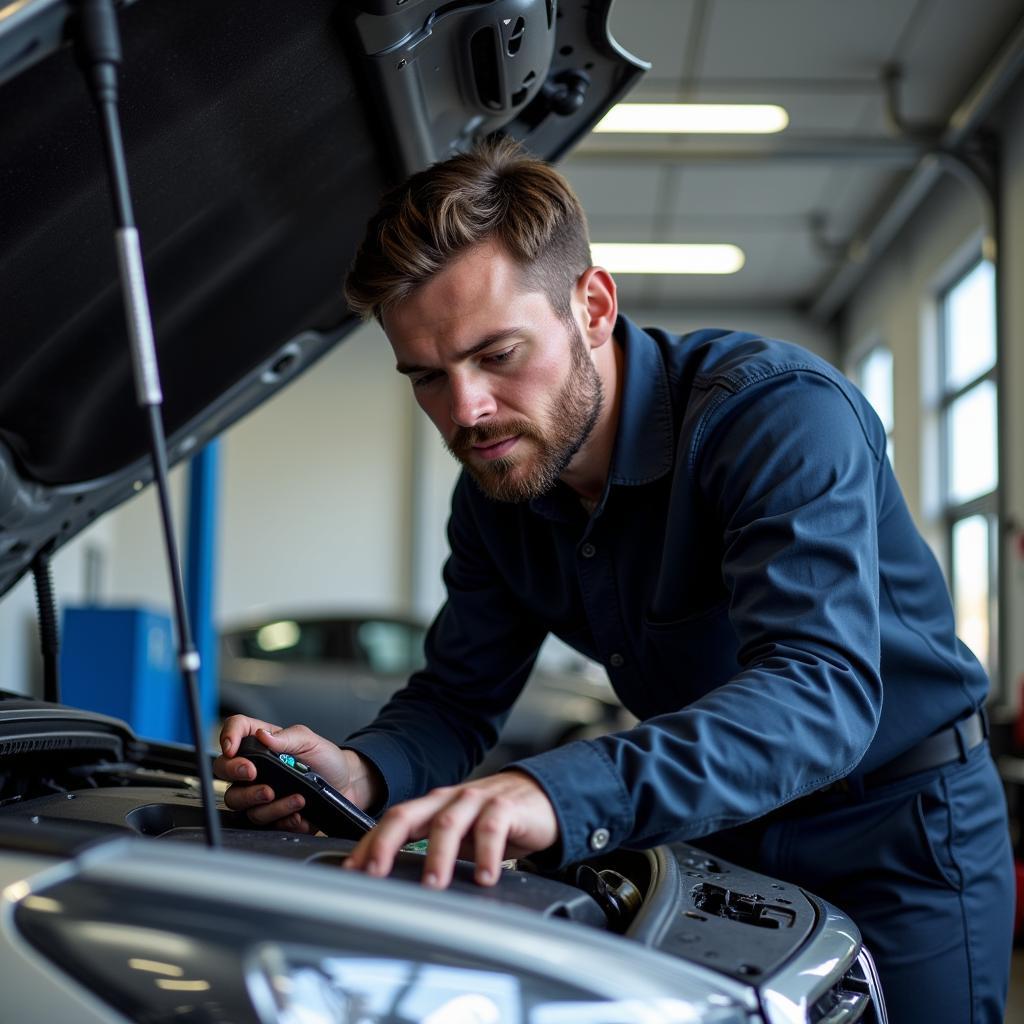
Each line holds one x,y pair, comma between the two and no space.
923,865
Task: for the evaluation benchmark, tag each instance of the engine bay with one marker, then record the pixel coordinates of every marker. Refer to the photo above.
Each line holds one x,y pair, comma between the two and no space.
69,780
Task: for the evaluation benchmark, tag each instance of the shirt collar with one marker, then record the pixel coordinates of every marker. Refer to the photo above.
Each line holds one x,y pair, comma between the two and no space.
644,440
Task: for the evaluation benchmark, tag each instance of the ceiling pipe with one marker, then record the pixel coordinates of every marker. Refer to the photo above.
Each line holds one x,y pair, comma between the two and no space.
968,117
732,149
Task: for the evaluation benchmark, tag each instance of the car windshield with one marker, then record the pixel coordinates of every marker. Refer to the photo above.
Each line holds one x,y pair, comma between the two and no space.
383,645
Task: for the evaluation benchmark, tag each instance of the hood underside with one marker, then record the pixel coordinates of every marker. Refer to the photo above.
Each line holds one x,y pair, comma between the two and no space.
259,138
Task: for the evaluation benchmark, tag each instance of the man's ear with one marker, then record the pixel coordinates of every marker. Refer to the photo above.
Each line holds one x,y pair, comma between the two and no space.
596,298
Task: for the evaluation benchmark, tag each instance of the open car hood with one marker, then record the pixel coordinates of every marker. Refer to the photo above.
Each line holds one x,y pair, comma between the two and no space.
259,138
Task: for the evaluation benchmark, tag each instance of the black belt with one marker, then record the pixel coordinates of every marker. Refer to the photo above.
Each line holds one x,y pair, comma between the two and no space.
951,744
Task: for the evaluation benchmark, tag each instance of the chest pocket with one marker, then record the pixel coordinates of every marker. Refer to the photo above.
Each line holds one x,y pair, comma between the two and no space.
686,658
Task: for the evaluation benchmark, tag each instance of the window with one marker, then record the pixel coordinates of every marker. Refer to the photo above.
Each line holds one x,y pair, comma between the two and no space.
970,473
873,376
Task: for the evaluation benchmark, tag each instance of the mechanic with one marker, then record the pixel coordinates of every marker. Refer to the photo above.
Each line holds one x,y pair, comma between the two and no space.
713,518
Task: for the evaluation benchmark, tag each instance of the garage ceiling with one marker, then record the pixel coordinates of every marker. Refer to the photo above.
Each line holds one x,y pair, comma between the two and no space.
794,200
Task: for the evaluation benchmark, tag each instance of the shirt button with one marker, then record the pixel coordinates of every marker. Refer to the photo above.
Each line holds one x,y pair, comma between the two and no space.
588,550
599,838
617,661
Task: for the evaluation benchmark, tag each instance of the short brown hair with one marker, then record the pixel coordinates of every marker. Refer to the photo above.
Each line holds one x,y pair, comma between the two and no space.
495,191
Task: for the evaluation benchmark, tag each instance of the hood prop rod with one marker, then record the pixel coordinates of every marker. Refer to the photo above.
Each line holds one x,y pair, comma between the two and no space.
99,53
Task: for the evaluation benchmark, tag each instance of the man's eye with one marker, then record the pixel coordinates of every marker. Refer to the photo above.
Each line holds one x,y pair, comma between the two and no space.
501,357
426,380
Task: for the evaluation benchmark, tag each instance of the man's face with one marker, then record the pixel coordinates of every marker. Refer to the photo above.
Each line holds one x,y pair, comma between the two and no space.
508,383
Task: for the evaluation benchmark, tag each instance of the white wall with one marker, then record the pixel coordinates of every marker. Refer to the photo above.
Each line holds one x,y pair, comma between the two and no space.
20,662
896,305
315,499
434,474
134,571
317,492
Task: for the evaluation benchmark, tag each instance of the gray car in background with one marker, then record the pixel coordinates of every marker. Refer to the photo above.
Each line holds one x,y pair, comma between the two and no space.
337,671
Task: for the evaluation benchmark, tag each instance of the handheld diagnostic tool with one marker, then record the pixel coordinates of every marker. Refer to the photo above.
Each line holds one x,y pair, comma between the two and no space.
326,809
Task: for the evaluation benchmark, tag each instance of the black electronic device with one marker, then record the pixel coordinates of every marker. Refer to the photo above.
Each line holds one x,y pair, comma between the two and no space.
326,809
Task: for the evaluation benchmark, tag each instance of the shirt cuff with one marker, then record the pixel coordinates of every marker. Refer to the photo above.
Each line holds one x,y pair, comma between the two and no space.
390,760
592,806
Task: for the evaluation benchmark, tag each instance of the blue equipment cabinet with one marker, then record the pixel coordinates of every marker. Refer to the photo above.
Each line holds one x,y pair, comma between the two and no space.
120,662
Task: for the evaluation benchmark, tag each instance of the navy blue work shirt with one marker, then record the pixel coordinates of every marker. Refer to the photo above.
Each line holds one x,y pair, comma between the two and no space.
751,579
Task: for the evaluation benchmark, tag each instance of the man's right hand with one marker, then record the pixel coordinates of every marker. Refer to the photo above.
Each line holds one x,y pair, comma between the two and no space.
345,770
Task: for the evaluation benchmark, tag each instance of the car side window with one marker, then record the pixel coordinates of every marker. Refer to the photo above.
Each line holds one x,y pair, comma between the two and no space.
392,648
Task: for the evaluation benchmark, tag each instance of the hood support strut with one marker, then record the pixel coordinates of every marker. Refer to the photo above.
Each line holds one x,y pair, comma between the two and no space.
99,52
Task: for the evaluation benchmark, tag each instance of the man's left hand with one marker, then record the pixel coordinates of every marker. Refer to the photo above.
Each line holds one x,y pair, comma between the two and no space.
487,820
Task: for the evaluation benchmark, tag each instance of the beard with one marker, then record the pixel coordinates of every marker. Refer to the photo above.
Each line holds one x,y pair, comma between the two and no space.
523,475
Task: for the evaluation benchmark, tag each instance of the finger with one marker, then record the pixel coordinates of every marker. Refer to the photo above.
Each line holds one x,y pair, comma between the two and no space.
296,739
270,813
450,824
236,728
490,840
376,851
295,823
234,769
240,768
241,798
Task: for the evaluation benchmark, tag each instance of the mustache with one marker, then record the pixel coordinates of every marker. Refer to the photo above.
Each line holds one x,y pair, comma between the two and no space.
467,437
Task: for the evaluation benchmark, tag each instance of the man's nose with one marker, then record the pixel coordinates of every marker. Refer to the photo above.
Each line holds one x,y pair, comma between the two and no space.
471,401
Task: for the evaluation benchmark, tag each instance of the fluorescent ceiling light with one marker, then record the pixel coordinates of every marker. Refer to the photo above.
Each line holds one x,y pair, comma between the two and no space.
655,258
718,118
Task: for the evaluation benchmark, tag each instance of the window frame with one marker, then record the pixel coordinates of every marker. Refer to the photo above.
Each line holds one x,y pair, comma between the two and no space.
988,504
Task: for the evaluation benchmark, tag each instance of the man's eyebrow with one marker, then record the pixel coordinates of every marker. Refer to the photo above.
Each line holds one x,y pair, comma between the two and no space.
491,339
